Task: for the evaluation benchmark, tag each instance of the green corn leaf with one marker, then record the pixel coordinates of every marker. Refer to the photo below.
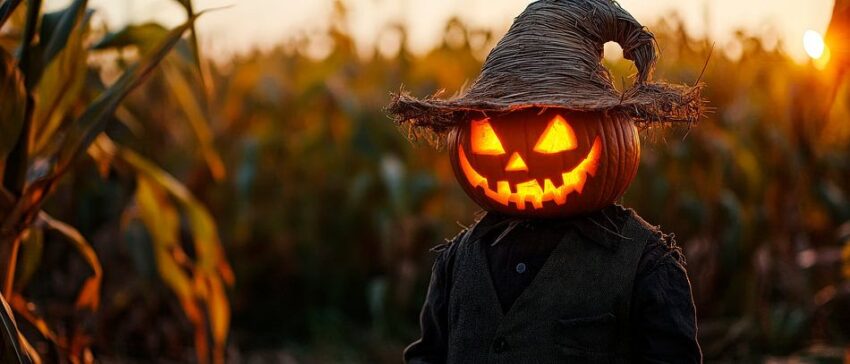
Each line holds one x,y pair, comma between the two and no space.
192,107
197,57
210,255
14,172
45,172
210,269
57,27
144,36
7,8
61,87
94,119
30,29
163,222
161,200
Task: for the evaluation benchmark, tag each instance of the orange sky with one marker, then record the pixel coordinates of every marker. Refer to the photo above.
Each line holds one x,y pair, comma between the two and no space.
262,23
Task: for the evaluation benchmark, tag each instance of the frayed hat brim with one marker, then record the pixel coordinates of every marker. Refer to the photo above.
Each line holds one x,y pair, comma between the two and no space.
552,58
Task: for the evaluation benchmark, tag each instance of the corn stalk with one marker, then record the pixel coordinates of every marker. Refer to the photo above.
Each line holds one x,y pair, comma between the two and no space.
40,142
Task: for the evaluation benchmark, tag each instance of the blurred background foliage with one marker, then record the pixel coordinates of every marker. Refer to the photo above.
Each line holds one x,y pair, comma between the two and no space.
326,211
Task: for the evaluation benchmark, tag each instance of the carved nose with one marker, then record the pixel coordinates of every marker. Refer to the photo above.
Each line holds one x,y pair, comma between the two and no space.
516,163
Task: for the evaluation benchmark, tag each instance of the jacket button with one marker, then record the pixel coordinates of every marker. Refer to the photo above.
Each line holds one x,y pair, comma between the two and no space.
520,268
500,345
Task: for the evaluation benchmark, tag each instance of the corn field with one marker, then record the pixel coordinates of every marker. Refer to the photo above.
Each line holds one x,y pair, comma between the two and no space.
158,205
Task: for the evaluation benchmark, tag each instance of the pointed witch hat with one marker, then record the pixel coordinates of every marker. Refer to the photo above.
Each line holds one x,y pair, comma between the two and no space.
552,58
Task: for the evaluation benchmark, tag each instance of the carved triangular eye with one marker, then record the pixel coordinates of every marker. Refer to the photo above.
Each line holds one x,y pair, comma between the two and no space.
484,139
558,137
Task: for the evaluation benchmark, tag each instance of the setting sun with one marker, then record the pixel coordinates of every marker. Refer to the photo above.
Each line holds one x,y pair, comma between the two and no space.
813,43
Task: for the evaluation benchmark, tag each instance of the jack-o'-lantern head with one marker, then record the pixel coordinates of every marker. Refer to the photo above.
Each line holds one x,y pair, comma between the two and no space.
543,131
551,163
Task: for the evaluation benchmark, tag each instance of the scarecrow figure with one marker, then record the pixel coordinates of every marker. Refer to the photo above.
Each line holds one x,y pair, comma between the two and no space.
555,271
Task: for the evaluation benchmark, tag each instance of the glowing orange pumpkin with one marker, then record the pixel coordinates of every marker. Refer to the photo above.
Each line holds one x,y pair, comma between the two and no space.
545,163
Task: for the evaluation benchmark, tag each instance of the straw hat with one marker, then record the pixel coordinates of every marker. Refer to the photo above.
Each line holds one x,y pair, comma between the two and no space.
552,58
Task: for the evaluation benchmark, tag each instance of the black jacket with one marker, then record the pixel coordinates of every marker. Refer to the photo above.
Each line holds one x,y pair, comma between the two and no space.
661,322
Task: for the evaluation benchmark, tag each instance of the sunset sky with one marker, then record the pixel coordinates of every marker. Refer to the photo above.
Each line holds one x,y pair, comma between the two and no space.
262,23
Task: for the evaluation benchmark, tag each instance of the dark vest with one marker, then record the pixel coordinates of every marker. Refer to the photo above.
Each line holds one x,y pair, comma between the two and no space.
576,310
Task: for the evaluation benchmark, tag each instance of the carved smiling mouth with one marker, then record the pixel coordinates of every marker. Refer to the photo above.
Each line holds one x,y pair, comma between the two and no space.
531,191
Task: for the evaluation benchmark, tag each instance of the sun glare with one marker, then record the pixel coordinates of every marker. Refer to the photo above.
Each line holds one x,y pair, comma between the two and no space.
813,43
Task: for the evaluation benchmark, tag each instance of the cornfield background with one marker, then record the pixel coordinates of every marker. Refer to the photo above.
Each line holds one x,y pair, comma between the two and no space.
284,167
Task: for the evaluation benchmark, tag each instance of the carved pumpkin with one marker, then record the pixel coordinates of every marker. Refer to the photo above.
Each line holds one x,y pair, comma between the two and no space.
545,163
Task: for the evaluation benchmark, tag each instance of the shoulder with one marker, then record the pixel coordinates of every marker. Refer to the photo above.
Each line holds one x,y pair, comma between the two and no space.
447,251
661,248
483,222
450,245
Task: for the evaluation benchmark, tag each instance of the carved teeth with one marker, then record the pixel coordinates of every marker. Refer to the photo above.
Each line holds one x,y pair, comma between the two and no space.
550,192
535,191
503,192
491,184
